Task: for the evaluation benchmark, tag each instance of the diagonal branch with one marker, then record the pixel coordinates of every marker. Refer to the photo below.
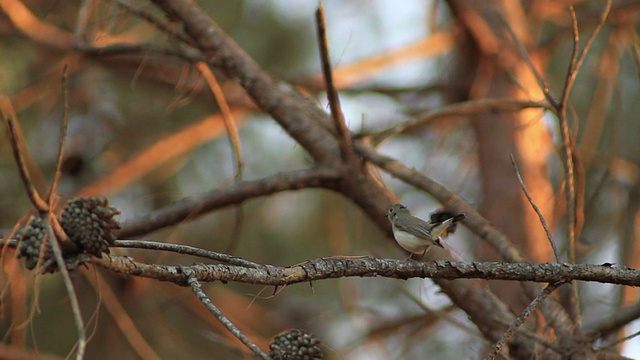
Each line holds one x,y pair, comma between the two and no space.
15,139
227,116
612,322
535,208
63,138
522,317
297,114
232,195
204,299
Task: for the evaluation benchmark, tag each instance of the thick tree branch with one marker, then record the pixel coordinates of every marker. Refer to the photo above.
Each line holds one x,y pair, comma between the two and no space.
340,267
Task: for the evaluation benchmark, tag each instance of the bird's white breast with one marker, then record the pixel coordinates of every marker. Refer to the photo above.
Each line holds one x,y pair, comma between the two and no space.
410,242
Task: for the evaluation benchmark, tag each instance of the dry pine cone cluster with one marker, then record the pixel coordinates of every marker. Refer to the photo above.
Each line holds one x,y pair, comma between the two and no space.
88,222
295,344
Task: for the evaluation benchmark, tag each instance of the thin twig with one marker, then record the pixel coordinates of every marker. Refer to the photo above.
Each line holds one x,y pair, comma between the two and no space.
186,250
37,200
535,208
567,143
525,55
344,136
174,32
444,315
73,298
617,341
521,318
236,230
577,60
63,137
458,109
227,116
204,299
236,145
609,324
439,314
537,337
121,317
348,75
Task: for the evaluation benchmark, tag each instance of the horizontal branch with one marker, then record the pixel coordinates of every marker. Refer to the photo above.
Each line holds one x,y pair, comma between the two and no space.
232,195
185,250
339,267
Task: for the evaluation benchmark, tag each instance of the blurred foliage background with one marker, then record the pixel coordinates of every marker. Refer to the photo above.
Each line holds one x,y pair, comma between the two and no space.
123,105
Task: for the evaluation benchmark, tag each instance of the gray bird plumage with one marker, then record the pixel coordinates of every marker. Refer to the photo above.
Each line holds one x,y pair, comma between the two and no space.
416,235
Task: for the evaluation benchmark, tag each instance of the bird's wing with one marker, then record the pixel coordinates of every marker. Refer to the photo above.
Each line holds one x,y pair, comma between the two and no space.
423,230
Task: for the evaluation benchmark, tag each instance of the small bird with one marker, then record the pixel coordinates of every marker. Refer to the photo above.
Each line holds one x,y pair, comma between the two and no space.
416,235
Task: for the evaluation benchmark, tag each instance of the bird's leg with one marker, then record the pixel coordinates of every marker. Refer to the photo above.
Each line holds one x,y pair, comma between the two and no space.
425,252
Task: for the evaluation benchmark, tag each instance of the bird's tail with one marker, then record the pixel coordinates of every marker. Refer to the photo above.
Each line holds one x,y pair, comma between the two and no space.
444,223
440,229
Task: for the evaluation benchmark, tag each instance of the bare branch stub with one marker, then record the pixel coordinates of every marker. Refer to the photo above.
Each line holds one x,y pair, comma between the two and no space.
36,199
63,137
344,135
535,208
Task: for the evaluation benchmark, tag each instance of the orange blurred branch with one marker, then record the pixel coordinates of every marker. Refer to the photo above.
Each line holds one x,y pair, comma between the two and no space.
162,151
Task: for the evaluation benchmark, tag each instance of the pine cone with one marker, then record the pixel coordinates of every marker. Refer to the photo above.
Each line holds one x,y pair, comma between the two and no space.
295,344
30,240
89,223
